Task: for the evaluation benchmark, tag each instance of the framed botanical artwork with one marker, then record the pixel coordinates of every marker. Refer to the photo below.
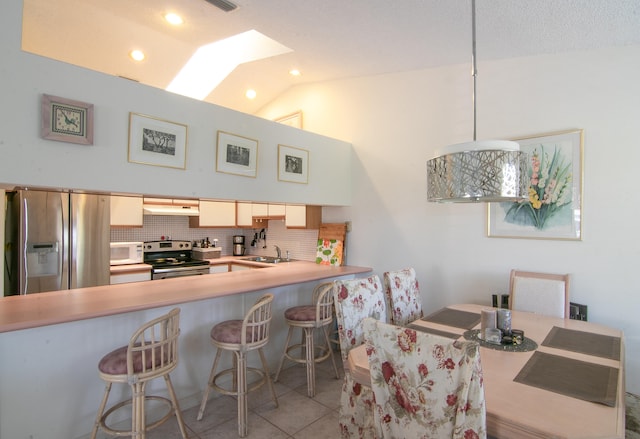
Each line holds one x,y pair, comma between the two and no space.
293,119
293,164
553,209
236,155
66,120
157,142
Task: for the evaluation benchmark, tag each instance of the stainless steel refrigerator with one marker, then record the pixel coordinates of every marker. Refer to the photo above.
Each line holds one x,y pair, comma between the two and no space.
55,241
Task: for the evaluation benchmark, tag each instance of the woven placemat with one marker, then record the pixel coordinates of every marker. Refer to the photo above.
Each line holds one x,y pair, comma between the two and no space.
434,331
569,377
454,317
605,346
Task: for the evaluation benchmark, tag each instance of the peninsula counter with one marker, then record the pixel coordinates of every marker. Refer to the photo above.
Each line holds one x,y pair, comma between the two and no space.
34,310
51,343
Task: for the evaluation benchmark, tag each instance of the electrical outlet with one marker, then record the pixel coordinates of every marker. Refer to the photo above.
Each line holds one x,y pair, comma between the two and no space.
577,311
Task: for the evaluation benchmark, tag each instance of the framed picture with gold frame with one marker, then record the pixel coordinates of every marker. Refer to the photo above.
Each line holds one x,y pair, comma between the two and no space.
553,209
66,120
293,164
157,142
236,155
292,120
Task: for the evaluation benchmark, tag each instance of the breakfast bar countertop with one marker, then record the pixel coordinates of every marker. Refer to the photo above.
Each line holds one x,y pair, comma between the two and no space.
34,310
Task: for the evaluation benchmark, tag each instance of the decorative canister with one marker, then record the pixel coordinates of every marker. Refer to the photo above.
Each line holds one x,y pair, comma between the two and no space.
504,321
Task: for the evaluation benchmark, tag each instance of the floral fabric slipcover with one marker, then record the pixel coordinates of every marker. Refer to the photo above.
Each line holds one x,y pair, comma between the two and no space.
403,296
425,386
330,252
356,299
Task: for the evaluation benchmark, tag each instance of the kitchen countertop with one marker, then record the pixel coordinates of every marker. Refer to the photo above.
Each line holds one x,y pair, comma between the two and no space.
34,310
129,268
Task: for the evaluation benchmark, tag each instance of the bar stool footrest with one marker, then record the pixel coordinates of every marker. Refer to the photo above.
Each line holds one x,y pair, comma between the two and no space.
233,392
112,431
324,353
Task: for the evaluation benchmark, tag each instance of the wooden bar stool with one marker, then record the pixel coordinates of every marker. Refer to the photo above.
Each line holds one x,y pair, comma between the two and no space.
240,337
152,353
308,318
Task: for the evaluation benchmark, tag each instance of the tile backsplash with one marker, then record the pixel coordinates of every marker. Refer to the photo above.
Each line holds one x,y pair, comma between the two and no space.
301,244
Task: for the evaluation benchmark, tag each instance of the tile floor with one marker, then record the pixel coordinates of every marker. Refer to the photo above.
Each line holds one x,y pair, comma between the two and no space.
297,416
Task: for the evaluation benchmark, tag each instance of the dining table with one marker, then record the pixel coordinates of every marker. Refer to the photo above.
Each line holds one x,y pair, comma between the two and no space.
564,380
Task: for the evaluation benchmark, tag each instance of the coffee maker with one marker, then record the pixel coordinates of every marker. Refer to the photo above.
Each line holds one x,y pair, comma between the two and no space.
238,245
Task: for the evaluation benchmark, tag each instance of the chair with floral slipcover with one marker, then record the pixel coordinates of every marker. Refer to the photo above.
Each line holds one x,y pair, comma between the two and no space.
403,296
425,386
354,300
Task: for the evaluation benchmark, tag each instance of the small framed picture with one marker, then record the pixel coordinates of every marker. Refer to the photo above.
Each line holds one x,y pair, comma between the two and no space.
66,120
157,142
236,155
293,164
293,119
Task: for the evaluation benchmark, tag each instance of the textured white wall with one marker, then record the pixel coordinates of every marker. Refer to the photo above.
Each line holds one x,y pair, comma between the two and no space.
396,121
28,160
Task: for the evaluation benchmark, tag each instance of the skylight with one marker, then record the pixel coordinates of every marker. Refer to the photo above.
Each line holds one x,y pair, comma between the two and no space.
213,62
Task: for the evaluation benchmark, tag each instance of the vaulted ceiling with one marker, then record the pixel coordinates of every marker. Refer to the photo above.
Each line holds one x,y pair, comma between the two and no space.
330,39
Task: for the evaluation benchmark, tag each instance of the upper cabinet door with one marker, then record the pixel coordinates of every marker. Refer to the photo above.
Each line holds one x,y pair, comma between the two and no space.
303,217
244,214
126,211
277,210
215,214
260,210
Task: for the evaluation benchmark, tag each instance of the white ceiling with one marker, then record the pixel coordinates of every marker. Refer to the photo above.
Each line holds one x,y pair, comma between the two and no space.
330,39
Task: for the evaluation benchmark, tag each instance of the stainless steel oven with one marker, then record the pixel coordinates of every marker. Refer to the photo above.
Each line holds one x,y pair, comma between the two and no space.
170,259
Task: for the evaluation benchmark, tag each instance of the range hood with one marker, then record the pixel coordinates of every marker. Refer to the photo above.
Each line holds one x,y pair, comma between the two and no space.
170,207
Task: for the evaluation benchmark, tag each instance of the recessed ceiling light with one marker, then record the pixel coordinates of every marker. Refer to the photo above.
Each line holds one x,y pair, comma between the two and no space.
137,55
251,94
295,72
174,19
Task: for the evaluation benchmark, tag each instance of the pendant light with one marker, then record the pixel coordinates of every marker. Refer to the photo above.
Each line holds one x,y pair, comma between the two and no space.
477,171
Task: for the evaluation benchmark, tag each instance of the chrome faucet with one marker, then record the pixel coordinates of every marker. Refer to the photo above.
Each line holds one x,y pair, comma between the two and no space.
278,251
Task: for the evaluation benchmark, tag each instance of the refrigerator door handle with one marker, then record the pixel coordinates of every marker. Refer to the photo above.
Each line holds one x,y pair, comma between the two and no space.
24,247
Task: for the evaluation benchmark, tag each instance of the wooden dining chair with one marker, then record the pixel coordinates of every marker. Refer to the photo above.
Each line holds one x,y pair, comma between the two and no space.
403,296
541,293
355,300
424,385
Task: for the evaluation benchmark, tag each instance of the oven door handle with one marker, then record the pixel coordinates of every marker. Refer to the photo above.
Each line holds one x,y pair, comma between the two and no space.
174,274
179,269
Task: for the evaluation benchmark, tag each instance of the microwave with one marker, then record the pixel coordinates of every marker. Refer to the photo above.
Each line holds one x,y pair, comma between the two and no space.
123,253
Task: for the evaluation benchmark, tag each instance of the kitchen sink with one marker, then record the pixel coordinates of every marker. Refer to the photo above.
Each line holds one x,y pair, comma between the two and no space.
267,259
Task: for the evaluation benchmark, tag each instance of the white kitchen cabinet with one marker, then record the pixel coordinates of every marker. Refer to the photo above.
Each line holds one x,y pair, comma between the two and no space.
123,278
238,267
244,214
215,214
276,210
269,211
221,268
126,211
263,212
260,210
299,216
